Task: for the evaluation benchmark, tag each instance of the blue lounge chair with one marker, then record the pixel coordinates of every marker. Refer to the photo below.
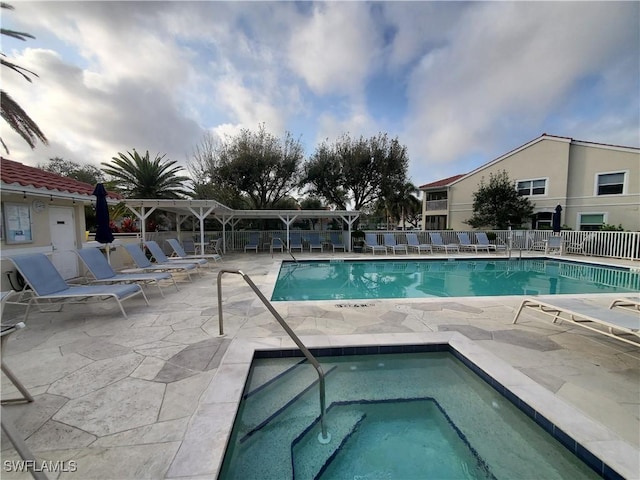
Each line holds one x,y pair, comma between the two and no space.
295,242
392,246
276,244
181,254
483,240
143,263
48,286
371,243
102,272
438,244
336,242
414,244
465,243
160,257
253,243
314,242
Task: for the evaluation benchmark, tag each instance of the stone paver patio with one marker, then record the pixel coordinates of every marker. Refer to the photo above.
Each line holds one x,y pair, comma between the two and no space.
118,397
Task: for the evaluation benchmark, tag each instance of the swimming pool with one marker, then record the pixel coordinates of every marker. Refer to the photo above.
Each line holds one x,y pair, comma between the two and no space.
369,279
408,415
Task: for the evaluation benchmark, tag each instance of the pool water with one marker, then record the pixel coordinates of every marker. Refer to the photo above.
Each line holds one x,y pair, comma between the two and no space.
375,279
405,416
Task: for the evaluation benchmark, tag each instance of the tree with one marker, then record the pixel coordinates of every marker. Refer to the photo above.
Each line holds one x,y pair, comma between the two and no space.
357,171
402,205
255,169
498,205
11,112
138,176
68,168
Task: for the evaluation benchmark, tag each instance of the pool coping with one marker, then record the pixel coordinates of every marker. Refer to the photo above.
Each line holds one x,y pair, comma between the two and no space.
209,429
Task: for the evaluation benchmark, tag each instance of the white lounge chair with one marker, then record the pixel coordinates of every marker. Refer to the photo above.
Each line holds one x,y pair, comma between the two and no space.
143,263
102,272
181,254
391,244
371,243
414,244
465,243
48,286
605,321
438,244
554,244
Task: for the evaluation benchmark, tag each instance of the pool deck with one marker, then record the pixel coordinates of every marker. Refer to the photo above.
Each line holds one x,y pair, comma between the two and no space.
152,396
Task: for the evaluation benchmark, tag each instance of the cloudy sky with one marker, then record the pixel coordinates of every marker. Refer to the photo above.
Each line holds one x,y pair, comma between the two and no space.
458,83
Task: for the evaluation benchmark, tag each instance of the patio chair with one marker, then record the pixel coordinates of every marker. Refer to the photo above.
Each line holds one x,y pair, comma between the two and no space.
295,242
180,253
580,247
465,243
336,242
438,244
253,243
276,244
102,272
392,246
371,243
48,286
554,244
414,244
143,263
314,242
482,239
592,317
160,257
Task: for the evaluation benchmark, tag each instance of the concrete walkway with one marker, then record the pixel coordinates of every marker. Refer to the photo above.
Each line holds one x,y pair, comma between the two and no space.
115,397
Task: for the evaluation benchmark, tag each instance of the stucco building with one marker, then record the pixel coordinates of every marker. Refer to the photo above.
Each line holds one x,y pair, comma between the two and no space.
594,183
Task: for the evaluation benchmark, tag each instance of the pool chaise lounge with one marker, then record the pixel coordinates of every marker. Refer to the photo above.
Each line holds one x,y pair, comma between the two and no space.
143,263
438,244
179,253
371,243
160,257
47,285
465,243
102,271
627,303
392,246
606,321
414,244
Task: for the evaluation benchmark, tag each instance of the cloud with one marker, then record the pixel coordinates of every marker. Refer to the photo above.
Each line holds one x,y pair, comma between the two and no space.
504,67
333,49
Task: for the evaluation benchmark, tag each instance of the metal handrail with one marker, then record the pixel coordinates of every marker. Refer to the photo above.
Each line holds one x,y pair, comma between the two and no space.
324,436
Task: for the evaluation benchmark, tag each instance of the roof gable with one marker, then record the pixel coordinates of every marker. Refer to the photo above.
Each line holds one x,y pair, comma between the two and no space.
442,183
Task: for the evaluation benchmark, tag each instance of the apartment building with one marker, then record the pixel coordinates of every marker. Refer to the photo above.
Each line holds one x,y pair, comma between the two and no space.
594,183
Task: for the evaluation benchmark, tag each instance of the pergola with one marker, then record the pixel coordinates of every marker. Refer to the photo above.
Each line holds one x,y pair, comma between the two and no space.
202,209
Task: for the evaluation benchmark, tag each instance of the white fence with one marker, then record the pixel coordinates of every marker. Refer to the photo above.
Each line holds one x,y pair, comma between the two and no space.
623,245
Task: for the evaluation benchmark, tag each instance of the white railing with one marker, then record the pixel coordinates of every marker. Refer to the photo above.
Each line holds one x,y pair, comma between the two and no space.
436,205
622,245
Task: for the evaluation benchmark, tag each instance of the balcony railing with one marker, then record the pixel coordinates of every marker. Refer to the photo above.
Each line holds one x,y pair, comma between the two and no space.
437,205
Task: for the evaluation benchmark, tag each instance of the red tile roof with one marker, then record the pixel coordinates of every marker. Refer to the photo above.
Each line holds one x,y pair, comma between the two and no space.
442,183
16,173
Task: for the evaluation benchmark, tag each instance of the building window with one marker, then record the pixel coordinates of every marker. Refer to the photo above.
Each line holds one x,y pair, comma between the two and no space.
532,187
610,183
590,222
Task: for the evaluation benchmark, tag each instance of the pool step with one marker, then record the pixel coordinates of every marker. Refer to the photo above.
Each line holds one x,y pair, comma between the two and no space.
297,385
309,456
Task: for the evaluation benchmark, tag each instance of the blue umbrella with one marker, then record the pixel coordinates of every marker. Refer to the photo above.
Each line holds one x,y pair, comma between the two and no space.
556,219
103,231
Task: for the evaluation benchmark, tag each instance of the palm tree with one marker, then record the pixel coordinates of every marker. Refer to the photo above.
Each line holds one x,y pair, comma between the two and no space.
12,113
403,203
138,176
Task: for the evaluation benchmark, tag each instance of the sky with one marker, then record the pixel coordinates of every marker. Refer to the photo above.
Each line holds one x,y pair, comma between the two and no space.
458,83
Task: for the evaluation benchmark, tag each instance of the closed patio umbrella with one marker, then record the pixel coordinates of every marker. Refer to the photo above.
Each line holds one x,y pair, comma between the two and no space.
556,220
103,230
